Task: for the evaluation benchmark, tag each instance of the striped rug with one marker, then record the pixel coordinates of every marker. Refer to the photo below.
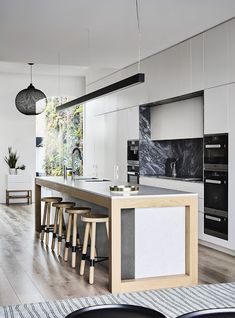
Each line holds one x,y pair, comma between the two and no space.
171,302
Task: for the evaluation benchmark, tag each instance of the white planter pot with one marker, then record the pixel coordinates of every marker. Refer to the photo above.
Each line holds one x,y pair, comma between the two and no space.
12,171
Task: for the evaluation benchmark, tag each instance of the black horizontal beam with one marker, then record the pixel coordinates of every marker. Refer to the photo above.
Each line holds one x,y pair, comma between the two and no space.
127,82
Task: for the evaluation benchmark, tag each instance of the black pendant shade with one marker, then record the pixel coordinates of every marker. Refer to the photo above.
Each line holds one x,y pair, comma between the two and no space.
27,100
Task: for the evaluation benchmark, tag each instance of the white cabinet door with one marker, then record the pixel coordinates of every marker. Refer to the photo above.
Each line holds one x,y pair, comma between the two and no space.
122,136
97,155
216,110
231,167
216,56
110,145
133,123
197,63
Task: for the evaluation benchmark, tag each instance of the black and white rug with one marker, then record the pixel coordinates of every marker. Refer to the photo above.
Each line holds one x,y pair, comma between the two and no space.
171,302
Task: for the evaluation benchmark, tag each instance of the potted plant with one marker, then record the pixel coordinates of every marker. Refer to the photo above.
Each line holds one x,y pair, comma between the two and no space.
11,160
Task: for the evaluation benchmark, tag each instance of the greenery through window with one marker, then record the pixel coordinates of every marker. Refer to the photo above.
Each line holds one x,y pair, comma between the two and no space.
64,131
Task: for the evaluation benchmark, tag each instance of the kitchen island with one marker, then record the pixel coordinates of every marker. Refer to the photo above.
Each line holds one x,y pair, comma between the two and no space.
153,233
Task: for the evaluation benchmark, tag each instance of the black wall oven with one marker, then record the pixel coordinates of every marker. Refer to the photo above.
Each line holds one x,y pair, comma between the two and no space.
216,203
216,152
133,161
216,185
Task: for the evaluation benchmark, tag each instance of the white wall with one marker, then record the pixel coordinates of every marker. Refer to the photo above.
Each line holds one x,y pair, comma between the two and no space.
18,130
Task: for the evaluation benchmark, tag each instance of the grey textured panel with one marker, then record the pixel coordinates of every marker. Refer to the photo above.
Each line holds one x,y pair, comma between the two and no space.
128,243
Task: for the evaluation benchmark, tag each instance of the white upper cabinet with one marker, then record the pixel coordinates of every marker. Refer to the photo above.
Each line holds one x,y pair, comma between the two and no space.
216,56
197,62
231,44
216,110
168,73
133,123
178,120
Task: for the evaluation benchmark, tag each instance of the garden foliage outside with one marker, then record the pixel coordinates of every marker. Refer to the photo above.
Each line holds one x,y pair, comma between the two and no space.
64,131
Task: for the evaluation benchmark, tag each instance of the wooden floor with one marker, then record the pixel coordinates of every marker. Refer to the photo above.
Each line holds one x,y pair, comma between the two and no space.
30,273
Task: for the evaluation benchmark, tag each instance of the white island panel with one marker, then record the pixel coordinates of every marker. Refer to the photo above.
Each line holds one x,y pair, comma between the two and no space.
159,241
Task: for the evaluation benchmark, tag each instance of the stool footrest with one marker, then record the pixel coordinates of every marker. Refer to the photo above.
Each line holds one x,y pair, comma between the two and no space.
99,259
51,227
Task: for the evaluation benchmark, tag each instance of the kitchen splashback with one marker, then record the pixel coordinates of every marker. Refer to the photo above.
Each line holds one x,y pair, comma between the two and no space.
155,156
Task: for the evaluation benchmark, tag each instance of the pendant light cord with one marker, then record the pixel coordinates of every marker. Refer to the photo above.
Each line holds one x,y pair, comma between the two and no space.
137,6
31,72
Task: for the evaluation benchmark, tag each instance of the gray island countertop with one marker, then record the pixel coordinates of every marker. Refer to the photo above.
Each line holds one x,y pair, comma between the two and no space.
101,188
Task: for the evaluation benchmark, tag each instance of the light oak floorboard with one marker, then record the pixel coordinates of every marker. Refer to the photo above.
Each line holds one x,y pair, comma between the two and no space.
30,272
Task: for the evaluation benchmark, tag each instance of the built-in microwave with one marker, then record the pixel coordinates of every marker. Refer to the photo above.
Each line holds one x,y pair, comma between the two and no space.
216,152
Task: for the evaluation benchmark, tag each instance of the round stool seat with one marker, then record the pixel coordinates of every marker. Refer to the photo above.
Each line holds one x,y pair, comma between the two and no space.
78,210
51,199
97,218
64,204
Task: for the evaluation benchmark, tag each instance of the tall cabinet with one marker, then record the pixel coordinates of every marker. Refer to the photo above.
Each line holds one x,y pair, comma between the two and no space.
110,147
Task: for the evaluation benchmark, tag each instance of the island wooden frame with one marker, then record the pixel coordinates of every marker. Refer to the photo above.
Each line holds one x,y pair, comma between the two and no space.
114,206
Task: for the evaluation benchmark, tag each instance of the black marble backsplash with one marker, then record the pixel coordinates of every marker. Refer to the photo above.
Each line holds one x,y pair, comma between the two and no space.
155,156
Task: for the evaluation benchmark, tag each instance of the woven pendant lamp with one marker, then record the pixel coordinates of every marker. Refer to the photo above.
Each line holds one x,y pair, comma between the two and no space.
27,100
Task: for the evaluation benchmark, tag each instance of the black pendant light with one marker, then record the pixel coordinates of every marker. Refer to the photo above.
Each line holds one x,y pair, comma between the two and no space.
27,100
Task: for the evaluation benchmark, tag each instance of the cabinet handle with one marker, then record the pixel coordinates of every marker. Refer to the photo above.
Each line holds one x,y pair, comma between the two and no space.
213,218
213,181
213,146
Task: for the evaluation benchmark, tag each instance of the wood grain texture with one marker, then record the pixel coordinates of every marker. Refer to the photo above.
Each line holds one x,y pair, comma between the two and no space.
30,272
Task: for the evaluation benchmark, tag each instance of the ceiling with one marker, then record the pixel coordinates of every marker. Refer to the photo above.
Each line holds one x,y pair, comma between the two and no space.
99,34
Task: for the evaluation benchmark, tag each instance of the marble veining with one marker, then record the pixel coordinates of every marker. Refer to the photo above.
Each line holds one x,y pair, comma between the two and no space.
155,156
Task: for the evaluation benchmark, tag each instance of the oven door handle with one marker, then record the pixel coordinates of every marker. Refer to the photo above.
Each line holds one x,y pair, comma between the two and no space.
213,146
213,218
131,173
213,181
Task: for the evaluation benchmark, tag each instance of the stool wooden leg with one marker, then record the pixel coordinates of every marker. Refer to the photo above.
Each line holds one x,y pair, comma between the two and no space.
55,229
30,192
60,231
67,243
90,240
68,233
92,253
44,221
64,224
78,239
48,223
74,240
107,229
84,248
7,197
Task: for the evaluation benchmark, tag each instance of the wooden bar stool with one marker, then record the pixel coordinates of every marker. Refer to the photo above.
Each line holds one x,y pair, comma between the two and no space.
73,225
46,226
90,227
59,223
